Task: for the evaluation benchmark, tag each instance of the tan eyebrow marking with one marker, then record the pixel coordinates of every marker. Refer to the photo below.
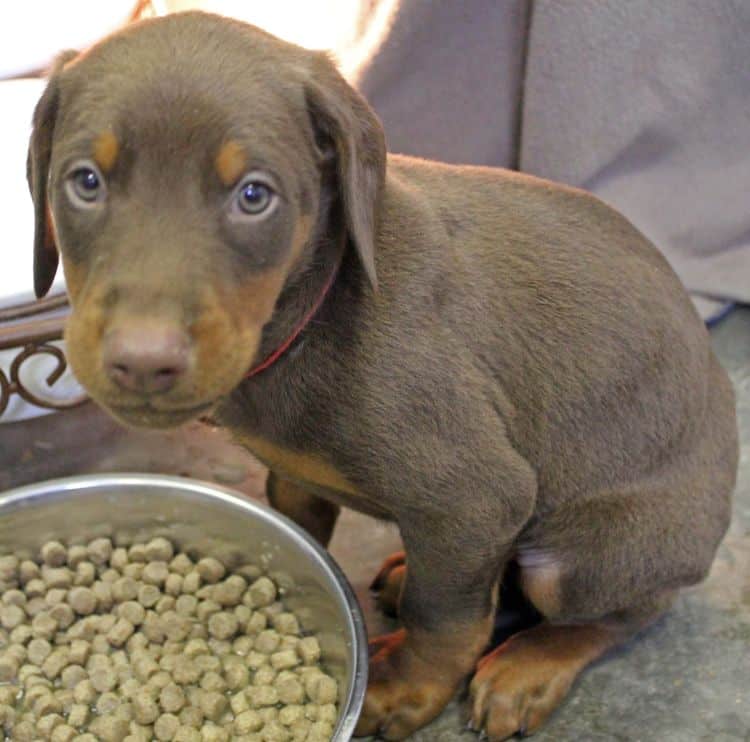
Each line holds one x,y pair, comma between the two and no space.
230,162
106,149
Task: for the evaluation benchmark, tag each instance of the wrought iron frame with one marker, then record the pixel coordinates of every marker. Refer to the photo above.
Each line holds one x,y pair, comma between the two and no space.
25,327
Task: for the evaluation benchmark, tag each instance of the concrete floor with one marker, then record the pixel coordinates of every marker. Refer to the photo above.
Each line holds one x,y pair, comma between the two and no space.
687,678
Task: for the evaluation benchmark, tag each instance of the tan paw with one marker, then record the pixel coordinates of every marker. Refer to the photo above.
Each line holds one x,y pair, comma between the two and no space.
517,687
403,693
389,582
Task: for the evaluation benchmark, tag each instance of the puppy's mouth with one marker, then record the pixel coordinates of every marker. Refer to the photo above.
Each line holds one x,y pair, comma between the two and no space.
149,416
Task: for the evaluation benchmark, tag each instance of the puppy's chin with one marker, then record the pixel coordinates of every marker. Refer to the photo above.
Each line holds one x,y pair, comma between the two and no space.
146,416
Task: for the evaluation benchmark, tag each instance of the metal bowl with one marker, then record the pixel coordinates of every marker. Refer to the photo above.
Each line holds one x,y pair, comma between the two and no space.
203,519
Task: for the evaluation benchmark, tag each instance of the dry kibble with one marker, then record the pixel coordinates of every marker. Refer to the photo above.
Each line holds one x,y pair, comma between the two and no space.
262,592
11,616
247,721
159,549
211,570
173,585
100,550
85,574
155,573
54,554
120,632
191,583
182,564
140,643
166,727
63,733
124,589
148,595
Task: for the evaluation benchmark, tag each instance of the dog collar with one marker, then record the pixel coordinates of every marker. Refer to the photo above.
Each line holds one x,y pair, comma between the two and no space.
300,326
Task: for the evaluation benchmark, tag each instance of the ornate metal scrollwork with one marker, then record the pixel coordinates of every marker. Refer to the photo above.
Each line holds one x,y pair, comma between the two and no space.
32,338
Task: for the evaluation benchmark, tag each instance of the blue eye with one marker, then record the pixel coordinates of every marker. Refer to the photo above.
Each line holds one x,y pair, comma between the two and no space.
85,185
254,197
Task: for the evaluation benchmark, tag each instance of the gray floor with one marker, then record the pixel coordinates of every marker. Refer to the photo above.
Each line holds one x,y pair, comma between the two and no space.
687,678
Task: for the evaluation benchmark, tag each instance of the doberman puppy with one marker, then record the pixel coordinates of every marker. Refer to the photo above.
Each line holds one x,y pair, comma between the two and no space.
503,366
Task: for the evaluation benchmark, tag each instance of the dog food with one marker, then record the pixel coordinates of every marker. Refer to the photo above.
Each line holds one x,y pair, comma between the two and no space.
143,643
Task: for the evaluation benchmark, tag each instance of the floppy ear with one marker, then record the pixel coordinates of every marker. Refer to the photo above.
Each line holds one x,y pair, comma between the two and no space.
37,170
346,127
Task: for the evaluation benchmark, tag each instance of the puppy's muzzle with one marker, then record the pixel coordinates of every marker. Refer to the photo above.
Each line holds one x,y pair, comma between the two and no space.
146,358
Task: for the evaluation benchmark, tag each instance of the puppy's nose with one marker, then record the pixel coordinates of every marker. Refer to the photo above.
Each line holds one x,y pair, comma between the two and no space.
147,359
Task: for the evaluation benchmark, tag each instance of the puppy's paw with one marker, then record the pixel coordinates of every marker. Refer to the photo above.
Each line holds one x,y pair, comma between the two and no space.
517,687
403,693
389,582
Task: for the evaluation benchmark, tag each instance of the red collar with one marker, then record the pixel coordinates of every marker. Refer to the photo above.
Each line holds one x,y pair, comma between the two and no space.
300,326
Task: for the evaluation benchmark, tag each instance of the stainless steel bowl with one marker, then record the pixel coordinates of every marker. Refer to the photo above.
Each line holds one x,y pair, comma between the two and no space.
203,519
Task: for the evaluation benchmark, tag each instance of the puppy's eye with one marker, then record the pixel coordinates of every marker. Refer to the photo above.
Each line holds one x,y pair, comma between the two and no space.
85,186
254,197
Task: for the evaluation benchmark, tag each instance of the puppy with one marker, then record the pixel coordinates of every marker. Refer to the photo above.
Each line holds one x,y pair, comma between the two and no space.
503,366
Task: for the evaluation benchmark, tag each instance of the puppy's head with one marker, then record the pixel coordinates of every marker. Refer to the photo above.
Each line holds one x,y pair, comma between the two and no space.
179,168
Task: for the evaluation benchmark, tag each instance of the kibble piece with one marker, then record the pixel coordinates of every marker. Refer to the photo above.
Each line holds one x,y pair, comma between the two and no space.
166,727
103,679
63,615
100,551
286,623
46,724
207,663
72,675
191,716
267,641
230,591
44,626
191,583
256,623
309,650
54,554
206,608
24,732
63,733
85,574
120,632
119,558
124,589
137,553
148,595
165,604
214,733
290,690
186,605
103,593
171,698
262,695
213,704
84,692
27,570
187,734
185,671
159,549
155,573
211,570
284,660
14,597
145,708
77,554
247,721
262,592
57,661
254,660
109,575
110,728
195,647
107,703
134,570
237,676
9,568
173,585
321,689
38,650
11,616
182,564
78,714
223,625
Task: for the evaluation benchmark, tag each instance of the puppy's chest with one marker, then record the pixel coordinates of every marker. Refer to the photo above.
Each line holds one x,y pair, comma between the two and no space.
306,468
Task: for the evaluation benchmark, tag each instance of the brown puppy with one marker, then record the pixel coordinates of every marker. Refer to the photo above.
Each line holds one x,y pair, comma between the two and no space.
503,366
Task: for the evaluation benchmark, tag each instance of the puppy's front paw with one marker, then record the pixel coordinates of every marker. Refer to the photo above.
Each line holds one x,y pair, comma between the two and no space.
517,687
404,692
389,582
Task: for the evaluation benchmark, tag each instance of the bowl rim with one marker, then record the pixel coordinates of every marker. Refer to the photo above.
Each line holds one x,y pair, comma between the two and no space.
352,706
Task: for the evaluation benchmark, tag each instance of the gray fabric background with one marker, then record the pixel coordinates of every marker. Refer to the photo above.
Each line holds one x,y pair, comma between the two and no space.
646,104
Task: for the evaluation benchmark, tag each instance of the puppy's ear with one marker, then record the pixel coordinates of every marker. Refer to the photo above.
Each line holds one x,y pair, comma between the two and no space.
37,171
348,130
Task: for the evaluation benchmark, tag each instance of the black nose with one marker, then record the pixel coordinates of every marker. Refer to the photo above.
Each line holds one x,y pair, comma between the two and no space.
146,358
